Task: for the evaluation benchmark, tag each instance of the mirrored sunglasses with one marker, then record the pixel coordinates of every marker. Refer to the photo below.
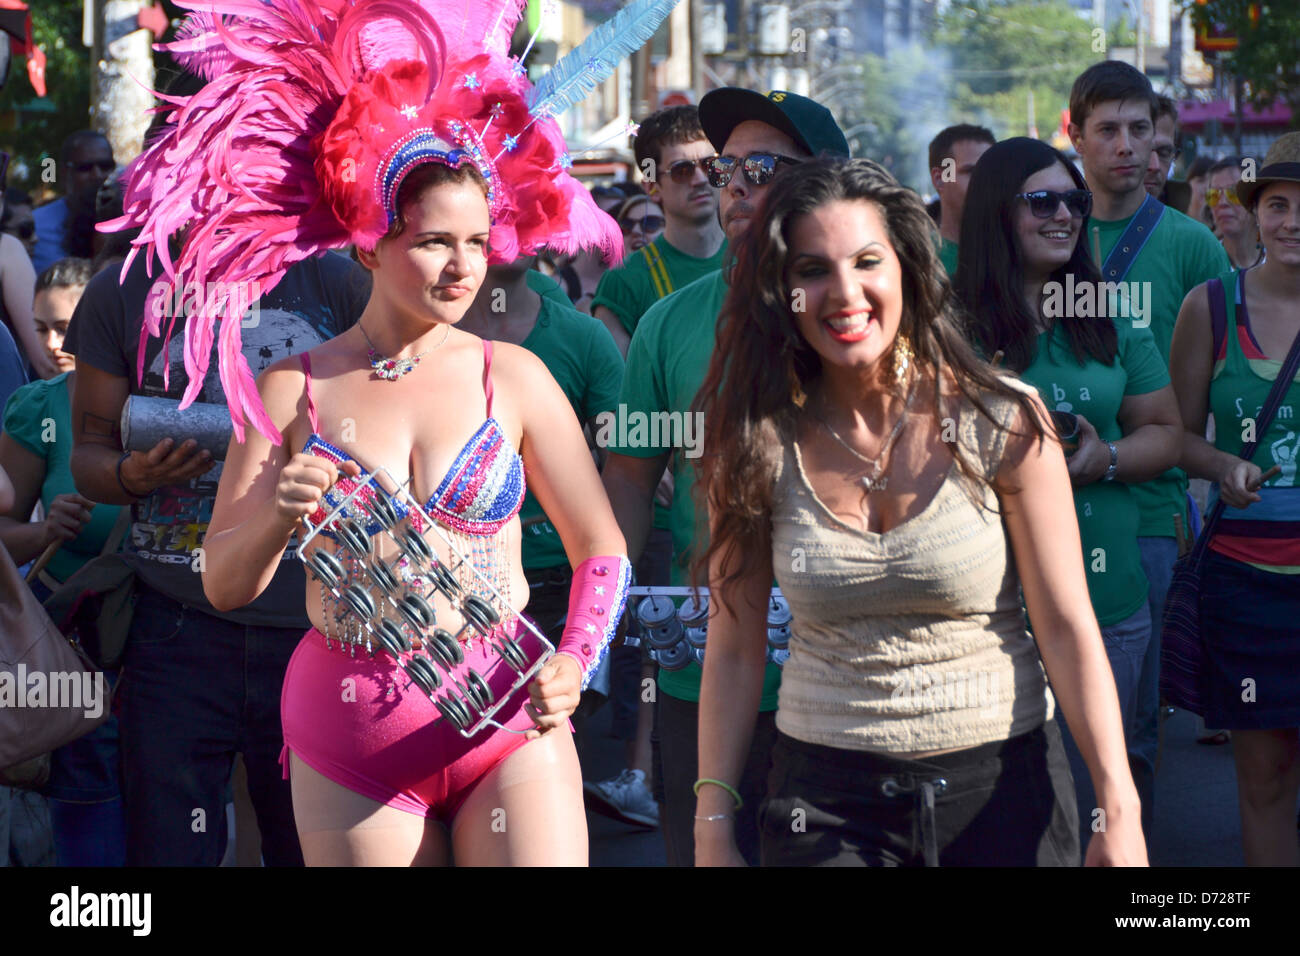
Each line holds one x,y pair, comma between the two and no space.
759,168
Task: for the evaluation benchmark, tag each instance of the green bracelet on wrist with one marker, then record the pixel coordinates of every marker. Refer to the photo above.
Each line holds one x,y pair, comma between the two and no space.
735,794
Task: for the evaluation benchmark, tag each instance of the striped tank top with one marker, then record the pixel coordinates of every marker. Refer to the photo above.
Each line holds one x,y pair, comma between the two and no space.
1265,535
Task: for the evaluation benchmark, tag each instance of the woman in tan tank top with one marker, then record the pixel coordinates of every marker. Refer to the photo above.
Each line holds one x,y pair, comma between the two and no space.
894,485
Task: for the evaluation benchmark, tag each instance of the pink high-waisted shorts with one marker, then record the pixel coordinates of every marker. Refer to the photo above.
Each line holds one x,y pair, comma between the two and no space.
356,721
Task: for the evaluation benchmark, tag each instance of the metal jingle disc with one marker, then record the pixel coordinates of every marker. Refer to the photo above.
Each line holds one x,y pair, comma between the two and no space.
479,613
443,646
360,601
445,582
454,711
422,672
674,658
380,507
417,611
383,576
326,568
391,636
354,537
513,654
415,547
478,690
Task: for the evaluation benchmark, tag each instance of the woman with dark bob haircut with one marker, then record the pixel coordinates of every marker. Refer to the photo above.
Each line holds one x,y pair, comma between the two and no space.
1032,292
859,451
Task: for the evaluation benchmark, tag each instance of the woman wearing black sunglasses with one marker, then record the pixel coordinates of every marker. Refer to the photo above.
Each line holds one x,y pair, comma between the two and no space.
1033,293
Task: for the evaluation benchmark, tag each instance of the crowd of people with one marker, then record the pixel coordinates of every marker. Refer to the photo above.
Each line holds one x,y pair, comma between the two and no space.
896,402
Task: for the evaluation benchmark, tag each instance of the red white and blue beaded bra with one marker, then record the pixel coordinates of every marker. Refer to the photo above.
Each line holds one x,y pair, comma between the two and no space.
479,495
481,492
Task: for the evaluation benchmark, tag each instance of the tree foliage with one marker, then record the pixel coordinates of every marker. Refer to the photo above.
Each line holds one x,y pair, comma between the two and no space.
1267,57
34,127
999,52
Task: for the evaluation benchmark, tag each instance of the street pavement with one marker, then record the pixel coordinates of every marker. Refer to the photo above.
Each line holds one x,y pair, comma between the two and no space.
1196,821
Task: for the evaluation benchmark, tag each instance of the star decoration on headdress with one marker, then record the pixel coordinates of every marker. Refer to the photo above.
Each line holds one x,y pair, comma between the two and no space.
633,129
510,142
565,161
410,111
471,81
497,109
518,68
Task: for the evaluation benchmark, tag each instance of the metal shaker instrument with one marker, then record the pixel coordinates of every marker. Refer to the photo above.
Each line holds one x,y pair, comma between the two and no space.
147,420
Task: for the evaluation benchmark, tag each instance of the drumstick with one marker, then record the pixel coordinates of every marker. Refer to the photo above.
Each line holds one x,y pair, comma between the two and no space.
1254,485
39,564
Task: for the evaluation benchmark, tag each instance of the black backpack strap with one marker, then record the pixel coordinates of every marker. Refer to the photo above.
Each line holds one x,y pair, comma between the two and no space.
1218,316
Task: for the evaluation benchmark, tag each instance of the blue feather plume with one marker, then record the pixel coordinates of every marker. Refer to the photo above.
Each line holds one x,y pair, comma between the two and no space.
598,56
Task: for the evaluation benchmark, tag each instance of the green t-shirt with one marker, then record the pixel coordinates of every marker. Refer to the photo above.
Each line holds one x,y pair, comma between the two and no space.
547,287
1264,534
1107,510
652,272
1180,255
948,256
666,364
581,356
39,418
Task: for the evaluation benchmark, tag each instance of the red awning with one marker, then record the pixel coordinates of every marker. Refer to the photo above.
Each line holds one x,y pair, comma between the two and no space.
1193,113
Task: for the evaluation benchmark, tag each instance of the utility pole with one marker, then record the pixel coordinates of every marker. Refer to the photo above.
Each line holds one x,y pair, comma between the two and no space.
120,97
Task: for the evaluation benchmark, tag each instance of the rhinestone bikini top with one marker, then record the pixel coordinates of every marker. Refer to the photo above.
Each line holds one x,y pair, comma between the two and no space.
481,492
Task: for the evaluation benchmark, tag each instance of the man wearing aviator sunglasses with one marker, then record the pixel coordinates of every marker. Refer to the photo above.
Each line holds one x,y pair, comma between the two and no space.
672,153
87,160
757,138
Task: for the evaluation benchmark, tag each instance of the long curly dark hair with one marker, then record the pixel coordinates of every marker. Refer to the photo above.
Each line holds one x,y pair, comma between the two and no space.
990,280
761,363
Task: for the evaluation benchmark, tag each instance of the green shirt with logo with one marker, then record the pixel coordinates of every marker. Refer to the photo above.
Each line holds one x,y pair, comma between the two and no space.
1108,512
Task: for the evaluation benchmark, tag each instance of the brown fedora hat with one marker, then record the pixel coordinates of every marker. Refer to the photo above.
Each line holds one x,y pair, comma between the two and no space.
1281,165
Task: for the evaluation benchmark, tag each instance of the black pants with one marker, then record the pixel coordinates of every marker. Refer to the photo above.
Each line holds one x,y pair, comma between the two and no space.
1009,803
677,767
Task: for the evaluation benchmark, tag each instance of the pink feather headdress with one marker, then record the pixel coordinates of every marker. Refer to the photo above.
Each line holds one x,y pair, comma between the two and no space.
313,112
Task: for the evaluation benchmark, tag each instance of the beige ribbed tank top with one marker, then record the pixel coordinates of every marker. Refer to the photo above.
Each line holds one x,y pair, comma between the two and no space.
914,639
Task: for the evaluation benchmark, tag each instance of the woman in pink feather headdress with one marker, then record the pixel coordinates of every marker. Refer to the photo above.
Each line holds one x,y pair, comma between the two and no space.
363,122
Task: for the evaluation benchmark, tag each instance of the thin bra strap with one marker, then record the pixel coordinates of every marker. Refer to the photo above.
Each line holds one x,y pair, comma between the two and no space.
487,374
311,404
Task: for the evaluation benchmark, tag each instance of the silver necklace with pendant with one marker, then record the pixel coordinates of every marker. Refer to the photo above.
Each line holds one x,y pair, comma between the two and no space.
873,480
391,369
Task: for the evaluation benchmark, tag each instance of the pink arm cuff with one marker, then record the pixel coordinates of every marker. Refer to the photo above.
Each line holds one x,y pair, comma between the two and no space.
596,602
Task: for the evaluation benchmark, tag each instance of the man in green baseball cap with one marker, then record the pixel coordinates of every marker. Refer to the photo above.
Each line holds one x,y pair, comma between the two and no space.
757,138
809,124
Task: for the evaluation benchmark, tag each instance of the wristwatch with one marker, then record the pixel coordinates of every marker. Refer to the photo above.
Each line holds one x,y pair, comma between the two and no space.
1114,462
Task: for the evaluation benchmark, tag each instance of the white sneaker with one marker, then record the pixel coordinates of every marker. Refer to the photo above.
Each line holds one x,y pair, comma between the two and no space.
625,797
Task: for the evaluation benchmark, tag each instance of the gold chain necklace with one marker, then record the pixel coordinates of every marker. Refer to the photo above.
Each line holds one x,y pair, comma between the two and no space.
873,481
